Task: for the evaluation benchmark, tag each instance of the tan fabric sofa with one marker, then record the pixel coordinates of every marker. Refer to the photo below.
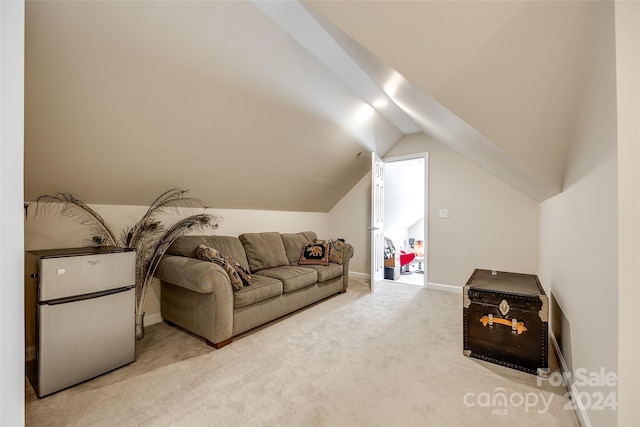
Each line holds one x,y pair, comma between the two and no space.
197,295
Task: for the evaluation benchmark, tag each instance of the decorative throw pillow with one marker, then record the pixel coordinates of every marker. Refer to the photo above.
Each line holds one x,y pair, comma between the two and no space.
315,254
336,248
238,275
244,274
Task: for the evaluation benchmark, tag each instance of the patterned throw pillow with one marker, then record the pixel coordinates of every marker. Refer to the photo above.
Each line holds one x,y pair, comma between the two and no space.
244,274
238,275
315,254
336,249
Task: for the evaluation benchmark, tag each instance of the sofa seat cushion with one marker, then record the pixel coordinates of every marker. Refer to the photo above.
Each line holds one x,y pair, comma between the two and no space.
262,288
292,277
328,272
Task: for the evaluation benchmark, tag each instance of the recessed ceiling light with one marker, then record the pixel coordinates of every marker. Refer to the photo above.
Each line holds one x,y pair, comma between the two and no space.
379,103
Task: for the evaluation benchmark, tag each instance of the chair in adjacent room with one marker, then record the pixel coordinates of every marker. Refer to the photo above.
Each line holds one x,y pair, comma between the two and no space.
405,258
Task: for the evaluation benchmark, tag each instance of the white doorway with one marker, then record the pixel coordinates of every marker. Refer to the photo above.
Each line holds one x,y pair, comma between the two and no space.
406,216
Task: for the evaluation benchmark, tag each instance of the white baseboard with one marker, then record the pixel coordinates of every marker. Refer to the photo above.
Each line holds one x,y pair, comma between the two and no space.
434,286
152,319
361,276
445,288
583,417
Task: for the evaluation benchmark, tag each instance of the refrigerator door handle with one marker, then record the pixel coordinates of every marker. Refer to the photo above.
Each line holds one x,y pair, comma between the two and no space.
92,295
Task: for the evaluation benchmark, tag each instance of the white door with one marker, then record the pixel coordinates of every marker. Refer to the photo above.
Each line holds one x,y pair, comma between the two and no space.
377,220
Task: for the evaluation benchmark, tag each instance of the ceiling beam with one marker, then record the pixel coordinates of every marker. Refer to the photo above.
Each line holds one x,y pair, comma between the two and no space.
409,108
298,22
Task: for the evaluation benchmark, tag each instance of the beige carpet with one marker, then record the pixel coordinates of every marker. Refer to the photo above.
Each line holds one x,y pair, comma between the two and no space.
358,359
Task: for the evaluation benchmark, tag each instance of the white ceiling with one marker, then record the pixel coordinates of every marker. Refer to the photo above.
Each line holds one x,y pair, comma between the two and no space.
499,82
267,107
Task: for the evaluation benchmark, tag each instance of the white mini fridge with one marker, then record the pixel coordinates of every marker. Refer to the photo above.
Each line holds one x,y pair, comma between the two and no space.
80,306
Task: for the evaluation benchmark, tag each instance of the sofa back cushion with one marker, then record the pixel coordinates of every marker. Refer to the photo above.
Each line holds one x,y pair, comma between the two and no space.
264,250
295,242
227,245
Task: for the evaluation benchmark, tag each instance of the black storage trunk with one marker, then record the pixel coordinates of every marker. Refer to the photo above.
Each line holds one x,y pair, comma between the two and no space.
506,320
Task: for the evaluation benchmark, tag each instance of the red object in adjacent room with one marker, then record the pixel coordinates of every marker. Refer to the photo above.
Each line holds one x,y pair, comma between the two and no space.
390,254
406,258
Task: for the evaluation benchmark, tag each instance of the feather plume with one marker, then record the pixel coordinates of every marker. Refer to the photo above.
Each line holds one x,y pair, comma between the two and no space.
68,206
151,254
168,200
148,237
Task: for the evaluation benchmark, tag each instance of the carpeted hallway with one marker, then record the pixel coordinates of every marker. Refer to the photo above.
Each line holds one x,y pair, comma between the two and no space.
358,359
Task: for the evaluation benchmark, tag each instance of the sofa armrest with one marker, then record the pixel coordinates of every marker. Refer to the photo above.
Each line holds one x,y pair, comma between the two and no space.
193,274
346,256
198,296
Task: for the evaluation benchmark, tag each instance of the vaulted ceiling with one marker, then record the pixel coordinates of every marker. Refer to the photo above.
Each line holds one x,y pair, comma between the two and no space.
266,105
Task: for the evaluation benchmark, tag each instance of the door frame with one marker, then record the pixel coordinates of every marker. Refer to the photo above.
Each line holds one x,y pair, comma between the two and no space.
415,156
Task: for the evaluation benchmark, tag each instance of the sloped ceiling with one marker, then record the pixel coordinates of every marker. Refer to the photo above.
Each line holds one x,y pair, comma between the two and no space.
127,99
500,82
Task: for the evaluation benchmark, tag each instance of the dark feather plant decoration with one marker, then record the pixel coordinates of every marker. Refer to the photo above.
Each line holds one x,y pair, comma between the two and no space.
150,253
149,239
148,226
68,206
148,236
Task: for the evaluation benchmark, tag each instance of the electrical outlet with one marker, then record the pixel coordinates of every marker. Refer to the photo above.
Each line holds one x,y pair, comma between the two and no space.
444,213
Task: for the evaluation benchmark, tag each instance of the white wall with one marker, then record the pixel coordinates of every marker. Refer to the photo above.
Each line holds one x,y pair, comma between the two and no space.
350,219
52,231
399,238
417,230
578,229
11,213
627,16
492,224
